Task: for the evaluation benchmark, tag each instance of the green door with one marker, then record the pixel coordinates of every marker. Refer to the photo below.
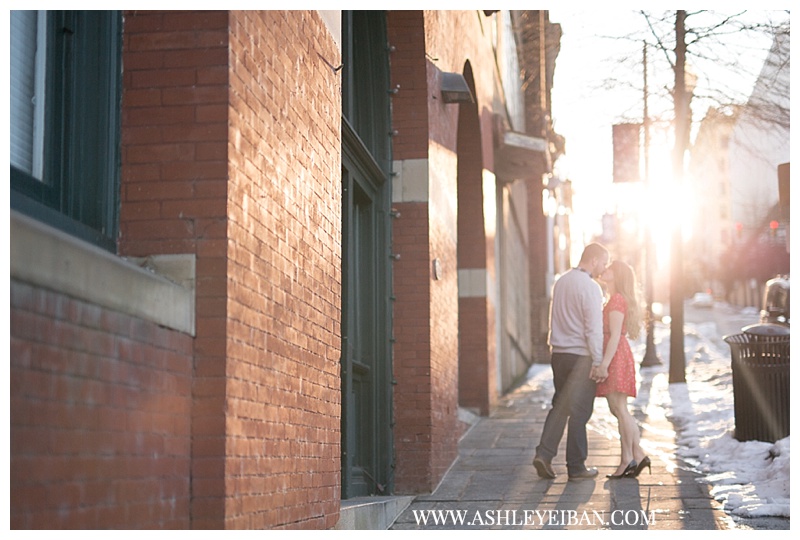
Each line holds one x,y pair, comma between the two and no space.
364,355
367,448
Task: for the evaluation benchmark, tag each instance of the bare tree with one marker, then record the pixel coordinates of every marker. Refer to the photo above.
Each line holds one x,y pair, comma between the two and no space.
722,51
704,56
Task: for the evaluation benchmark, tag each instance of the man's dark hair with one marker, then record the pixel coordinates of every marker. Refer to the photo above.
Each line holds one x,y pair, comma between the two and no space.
593,251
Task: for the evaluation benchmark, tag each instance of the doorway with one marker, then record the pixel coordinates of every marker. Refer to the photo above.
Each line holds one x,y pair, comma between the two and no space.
366,366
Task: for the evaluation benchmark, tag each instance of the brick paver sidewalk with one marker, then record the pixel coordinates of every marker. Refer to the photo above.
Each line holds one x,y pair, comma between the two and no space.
493,485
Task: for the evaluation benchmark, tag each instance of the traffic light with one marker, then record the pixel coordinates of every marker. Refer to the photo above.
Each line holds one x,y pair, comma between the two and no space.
773,228
739,230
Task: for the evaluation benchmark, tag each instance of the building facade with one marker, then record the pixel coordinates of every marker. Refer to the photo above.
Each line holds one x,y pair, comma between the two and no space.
713,229
740,233
760,139
258,267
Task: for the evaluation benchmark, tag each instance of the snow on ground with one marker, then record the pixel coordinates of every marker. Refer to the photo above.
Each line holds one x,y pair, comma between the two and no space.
751,478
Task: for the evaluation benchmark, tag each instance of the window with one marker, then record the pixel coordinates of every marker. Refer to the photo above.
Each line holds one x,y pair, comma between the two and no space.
365,82
65,101
27,71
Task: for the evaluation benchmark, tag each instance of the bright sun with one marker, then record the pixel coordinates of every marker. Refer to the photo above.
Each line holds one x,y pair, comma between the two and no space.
658,204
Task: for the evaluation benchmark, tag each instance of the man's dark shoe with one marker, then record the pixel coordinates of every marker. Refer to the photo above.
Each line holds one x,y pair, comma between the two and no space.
584,474
543,468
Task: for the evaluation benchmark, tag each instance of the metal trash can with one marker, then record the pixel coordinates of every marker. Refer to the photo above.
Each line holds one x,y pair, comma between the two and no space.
760,367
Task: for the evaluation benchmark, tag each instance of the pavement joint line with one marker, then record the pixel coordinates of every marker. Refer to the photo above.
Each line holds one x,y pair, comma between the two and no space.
502,445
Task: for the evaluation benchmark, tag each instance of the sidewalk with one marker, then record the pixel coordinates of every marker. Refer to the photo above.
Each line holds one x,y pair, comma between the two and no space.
492,484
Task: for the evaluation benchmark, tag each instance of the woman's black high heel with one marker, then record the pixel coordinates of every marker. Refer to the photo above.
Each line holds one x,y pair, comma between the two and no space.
627,472
642,464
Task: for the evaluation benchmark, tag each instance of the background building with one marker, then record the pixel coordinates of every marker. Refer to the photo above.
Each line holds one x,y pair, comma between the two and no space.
740,232
713,229
760,139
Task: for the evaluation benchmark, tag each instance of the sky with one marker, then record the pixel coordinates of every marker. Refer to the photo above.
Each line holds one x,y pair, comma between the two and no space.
584,111
740,475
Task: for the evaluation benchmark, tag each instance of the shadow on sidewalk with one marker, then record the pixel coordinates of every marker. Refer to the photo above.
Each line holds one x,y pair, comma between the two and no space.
493,485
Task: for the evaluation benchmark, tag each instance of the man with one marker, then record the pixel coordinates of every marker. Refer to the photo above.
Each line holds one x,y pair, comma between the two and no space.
576,341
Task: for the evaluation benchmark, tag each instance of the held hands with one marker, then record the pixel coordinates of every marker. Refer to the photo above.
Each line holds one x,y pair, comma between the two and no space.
599,373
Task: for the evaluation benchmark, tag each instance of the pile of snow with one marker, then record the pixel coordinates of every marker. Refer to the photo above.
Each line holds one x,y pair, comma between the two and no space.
750,478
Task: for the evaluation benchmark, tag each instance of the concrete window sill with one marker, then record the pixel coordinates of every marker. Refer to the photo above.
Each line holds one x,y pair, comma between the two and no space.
158,289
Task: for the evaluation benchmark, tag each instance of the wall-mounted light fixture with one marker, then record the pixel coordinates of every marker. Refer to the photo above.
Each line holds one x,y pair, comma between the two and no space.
455,88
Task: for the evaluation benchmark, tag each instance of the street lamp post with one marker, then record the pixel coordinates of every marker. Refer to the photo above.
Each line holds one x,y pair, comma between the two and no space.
650,355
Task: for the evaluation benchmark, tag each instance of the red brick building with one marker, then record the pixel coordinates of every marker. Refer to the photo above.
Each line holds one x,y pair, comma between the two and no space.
261,261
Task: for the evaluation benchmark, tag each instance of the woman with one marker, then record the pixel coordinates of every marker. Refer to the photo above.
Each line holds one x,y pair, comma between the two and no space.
616,374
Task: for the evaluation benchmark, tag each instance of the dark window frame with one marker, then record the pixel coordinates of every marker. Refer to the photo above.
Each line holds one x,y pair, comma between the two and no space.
79,192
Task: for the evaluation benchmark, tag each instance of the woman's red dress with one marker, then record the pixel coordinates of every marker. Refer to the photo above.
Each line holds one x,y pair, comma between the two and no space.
622,370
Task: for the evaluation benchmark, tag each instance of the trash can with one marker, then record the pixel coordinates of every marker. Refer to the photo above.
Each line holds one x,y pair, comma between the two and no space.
760,367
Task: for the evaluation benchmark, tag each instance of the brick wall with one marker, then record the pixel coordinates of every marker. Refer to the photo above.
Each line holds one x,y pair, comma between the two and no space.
539,292
406,32
284,265
412,275
174,133
228,124
412,350
230,152
427,308
444,305
174,199
99,414
476,325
